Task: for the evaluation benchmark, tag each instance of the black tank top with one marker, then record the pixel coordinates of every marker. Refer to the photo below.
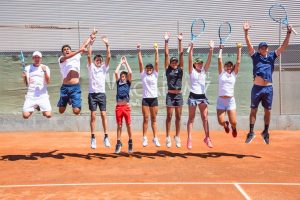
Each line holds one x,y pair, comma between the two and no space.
174,78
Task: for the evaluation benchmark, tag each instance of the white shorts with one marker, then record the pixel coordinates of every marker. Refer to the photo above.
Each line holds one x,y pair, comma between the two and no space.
33,102
226,103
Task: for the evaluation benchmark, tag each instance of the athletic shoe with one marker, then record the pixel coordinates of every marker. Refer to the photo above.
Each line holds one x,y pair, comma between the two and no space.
106,142
145,141
130,145
226,127
265,136
208,142
118,148
156,142
189,143
93,143
250,137
177,141
168,142
234,132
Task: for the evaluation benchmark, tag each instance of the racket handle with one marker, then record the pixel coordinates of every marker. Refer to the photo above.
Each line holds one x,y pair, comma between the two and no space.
294,31
188,49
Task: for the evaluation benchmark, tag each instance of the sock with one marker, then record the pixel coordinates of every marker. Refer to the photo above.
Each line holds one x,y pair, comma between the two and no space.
119,142
105,135
130,141
251,128
266,128
93,135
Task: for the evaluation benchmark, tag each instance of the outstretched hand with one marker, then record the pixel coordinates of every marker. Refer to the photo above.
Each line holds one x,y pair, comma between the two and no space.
167,36
289,28
105,39
138,46
180,37
123,60
246,26
211,44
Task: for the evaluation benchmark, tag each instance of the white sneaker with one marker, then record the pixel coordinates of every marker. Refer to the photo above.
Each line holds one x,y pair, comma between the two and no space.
156,142
145,141
106,142
93,143
177,141
168,142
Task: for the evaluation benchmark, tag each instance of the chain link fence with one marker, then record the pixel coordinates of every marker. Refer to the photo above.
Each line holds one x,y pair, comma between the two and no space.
286,81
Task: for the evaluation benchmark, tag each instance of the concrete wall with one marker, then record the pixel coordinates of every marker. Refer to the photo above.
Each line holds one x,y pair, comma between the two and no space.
81,123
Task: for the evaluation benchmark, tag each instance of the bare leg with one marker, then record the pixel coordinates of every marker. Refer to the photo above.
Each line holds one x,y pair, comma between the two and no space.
129,131
26,115
178,111
221,116
168,120
47,114
153,113
119,132
267,116
76,111
145,110
93,121
62,110
104,121
192,112
204,116
232,117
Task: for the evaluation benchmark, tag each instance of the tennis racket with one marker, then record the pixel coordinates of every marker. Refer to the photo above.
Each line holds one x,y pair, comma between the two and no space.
278,13
22,60
224,32
197,28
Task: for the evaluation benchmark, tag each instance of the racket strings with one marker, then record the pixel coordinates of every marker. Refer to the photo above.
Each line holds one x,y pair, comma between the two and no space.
278,14
224,31
198,27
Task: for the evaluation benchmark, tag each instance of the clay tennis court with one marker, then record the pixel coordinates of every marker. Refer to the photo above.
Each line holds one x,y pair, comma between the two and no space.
61,165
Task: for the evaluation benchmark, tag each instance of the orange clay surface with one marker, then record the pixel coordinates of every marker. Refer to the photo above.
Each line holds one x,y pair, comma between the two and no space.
61,165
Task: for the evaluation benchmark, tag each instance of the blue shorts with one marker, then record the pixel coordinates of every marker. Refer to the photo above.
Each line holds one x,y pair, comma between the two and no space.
226,103
263,94
70,94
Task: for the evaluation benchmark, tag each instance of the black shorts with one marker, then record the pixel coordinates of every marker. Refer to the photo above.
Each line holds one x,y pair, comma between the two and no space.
174,100
95,99
151,102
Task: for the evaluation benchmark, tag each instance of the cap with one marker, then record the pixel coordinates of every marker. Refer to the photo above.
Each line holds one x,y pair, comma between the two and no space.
149,65
198,60
37,53
262,44
173,59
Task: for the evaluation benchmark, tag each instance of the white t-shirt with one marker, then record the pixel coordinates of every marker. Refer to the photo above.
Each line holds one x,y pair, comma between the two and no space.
226,83
149,84
37,85
197,82
70,64
97,78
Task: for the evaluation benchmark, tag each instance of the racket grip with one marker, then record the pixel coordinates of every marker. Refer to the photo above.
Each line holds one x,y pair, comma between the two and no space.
294,31
188,49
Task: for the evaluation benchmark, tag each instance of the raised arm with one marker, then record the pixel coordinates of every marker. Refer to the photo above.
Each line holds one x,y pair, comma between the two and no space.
180,50
167,61
138,48
108,55
85,44
156,61
128,69
89,56
285,42
220,60
25,78
190,67
117,76
46,73
246,27
238,58
211,45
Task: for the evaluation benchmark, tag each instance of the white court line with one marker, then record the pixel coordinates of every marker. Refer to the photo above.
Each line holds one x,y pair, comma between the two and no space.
143,183
242,191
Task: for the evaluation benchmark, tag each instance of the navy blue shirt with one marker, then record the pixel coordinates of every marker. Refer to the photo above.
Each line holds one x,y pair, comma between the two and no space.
174,78
123,90
264,66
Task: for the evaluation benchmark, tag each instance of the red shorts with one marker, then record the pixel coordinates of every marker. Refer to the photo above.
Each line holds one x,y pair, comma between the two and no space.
123,111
